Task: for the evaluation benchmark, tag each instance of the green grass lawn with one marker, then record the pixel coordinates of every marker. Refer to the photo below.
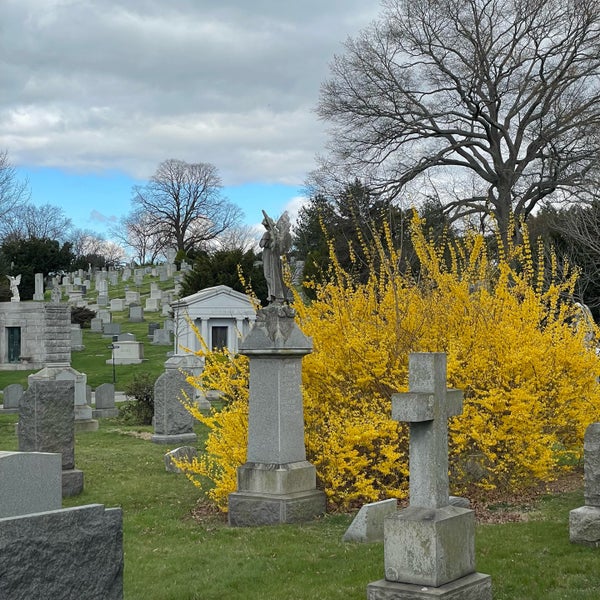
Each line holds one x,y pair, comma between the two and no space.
171,556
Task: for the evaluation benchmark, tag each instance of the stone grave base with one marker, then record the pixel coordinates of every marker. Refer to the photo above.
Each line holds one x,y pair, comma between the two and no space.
105,413
248,509
174,439
67,554
476,586
429,547
86,425
584,526
72,483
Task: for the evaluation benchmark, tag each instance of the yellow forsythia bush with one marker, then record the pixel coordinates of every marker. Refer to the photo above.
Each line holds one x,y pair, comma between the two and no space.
530,381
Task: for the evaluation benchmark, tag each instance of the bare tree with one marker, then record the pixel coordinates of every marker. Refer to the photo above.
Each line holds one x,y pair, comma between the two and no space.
14,192
506,90
137,231
186,206
37,222
239,237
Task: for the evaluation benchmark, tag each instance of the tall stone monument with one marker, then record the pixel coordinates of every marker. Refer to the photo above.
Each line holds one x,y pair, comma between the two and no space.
429,547
276,484
584,522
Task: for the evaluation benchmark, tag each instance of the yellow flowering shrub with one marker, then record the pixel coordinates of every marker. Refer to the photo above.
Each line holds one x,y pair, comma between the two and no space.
530,380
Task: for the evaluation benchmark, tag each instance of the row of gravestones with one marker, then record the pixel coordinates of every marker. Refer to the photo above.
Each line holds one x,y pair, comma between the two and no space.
104,399
428,547
76,553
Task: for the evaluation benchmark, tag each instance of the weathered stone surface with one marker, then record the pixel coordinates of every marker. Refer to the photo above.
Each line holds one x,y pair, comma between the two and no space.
30,482
429,546
170,416
591,462
46,419
104,396
476,586
251,510
70,554
367,525
584,526
263,478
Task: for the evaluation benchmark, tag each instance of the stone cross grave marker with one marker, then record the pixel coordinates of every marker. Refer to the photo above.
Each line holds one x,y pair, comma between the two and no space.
429,547
427,406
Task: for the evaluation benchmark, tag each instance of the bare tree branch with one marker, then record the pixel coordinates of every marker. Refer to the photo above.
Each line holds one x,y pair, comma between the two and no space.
507,90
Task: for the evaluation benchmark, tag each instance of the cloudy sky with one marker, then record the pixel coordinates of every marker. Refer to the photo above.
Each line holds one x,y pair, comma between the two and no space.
95,94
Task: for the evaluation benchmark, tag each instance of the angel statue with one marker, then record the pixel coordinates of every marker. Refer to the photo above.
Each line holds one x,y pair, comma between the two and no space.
14,282
275,242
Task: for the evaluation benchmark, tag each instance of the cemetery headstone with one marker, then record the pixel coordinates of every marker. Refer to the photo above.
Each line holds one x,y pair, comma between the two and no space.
71,554
111,329
136,313
584,522
30,482
132,298
152,304
276,484
104,396
429,547
126,351
76,338
162,337
12,396
117,304
96,325
173,424
152,327
367,525
47,424
187,453
38,294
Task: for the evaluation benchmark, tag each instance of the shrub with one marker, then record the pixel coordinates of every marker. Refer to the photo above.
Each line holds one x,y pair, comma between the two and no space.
530,380
140,410
82,316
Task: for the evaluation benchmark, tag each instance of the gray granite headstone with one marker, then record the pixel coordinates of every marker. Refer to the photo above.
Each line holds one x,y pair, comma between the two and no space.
96,324
47,424
12,395
30,482
584,522
173,424
162,337
110,329
105,401
152,327
68,554
136,313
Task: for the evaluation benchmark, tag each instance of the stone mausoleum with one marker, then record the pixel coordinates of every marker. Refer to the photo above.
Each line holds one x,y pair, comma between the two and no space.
221,315
33,335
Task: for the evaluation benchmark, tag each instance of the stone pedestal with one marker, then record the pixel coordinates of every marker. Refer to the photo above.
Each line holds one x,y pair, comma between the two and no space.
471,587
584,522
276,484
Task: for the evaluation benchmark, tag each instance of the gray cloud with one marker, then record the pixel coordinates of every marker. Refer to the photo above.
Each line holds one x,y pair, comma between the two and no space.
124,84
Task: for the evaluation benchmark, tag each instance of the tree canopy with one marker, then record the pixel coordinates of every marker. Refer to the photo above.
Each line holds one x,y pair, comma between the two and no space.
495,104
182,207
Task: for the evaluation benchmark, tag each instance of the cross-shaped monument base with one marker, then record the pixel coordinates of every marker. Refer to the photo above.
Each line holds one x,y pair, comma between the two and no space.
429,547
